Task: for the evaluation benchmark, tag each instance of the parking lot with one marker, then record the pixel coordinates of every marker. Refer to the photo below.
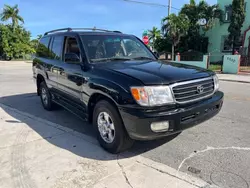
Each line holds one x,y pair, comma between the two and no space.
217,151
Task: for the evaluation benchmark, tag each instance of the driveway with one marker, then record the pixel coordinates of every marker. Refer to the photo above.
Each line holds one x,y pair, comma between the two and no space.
217,151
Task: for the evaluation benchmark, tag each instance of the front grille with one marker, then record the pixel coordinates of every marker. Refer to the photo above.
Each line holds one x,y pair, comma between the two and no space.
193,90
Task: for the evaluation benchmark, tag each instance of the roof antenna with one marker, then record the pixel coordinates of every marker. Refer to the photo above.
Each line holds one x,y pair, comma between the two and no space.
94,28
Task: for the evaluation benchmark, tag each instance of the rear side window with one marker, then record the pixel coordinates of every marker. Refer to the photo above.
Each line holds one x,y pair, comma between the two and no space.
57,47
43,50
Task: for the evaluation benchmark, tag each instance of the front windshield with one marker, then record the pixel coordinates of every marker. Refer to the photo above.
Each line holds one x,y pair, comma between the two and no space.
114,47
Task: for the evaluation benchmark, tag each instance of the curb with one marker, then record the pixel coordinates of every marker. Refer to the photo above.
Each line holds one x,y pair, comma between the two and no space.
237,81
196,182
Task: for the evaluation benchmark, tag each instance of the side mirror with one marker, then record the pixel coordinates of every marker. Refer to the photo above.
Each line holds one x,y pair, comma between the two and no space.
72,58
156,55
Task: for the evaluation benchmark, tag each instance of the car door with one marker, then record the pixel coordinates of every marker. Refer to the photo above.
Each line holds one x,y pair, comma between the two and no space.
55,60
49,68
70,77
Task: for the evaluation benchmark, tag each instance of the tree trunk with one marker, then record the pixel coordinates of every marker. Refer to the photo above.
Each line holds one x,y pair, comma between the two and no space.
13,24
173,52
153,45
233,45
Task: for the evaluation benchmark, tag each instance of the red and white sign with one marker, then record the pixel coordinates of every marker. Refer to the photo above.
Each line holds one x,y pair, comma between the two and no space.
145,39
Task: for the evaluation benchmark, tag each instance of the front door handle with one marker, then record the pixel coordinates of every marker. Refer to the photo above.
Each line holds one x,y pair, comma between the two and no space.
78,80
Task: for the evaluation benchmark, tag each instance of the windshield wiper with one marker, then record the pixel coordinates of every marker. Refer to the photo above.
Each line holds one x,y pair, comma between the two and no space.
142,58
111,59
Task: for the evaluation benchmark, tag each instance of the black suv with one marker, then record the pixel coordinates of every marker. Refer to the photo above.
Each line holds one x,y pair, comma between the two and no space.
114,81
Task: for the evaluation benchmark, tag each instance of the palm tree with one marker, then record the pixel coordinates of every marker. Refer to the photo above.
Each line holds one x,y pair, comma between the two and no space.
39,37
201,14
154,34
208,14
11,13
175,26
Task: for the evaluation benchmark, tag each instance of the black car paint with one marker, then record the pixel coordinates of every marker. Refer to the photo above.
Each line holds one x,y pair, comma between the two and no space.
80,84
138,121
158,72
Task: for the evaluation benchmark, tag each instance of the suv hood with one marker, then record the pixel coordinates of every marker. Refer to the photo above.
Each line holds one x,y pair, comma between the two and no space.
157,72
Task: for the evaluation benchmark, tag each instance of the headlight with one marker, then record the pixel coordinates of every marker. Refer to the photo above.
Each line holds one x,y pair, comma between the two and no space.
152,96
216,83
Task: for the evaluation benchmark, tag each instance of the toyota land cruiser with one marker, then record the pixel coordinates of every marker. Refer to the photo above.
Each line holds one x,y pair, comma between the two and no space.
115,82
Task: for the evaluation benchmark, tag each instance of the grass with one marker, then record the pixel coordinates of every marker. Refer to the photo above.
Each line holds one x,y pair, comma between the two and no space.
245,68
215,67
21,60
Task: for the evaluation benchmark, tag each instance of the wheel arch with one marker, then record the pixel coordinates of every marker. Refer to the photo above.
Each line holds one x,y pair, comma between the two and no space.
94,99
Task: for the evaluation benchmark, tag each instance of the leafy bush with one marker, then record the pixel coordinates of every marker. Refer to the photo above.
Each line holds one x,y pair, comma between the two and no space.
15,43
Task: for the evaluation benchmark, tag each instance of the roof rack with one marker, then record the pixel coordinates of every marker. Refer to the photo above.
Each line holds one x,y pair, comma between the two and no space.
56,30
117,31
84,29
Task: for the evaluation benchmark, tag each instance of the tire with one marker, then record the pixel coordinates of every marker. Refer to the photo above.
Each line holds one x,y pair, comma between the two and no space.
121,140
43,90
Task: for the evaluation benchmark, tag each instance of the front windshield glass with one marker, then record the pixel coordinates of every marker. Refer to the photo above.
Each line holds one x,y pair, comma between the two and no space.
114,48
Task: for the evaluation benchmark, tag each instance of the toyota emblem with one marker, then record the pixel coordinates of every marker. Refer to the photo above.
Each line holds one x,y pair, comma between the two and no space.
200,89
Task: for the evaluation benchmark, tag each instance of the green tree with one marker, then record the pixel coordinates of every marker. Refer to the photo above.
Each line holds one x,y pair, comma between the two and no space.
175,26
201,16
39,37
237,20
15,44
163,44
11,13
153,35
208,14
191,11
34,43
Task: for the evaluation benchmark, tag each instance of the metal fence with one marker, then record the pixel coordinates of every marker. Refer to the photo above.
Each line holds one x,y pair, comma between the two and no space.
215,62
245,64
191,56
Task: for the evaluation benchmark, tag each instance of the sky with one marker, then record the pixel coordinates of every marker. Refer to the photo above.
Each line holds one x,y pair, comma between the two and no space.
127,17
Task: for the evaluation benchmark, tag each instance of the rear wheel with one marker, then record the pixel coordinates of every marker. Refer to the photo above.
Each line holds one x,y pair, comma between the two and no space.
45,97
110,130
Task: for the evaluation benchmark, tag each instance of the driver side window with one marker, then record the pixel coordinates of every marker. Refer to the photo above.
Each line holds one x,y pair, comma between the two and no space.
72,51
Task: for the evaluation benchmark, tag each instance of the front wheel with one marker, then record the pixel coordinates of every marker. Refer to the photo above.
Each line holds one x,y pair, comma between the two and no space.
111,132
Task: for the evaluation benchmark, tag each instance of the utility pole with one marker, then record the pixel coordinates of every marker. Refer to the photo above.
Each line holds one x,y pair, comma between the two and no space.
169,6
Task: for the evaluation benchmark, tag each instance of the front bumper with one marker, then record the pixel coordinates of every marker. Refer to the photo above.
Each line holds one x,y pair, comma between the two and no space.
138,120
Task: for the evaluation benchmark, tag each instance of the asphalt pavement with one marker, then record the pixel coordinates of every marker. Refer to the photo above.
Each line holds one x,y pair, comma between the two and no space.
216,151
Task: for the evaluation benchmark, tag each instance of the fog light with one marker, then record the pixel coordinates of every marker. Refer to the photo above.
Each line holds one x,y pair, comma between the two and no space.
160,126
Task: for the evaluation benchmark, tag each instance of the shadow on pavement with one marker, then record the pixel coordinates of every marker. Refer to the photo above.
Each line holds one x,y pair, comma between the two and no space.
30,103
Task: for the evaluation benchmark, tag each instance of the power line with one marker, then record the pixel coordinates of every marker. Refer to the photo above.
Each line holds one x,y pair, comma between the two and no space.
151,4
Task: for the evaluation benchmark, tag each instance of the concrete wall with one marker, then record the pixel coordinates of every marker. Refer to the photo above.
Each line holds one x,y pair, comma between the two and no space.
219,30
201,64
231,64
